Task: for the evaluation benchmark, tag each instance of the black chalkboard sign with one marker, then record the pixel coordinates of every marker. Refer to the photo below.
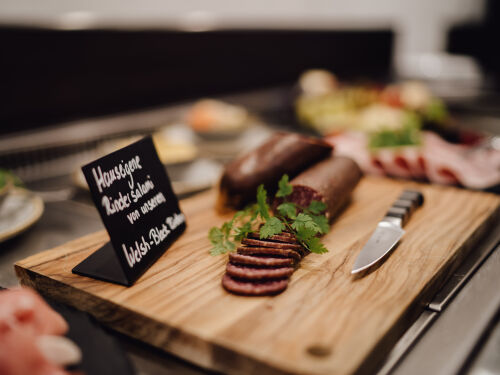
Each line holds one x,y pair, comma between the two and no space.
132,192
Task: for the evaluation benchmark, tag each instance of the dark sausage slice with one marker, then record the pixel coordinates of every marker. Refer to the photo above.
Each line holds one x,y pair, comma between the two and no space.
260,261
253,288
265,243
283,237
330,181
288,153
269,251
255,274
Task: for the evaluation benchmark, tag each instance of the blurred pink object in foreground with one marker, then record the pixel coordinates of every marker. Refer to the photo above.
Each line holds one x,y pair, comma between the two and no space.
24,317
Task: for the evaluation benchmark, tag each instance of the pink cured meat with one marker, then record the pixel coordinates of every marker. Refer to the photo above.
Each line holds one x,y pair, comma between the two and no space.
436,160
413,159
355,146
466,166
25,308
391,163
23,317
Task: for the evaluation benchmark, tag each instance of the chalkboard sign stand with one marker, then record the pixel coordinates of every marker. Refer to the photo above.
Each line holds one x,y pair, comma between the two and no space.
103,265
140,211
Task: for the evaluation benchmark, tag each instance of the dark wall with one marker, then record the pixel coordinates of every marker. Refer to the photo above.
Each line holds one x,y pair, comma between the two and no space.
480,40
51,76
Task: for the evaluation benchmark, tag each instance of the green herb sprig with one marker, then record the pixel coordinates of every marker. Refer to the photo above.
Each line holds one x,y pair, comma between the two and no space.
306,223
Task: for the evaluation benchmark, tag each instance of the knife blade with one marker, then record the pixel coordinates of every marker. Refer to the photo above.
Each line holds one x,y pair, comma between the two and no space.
389,230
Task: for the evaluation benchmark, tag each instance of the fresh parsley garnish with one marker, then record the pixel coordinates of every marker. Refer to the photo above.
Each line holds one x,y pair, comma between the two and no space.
284,188
288,210
306,223
317,207
262,205
271,227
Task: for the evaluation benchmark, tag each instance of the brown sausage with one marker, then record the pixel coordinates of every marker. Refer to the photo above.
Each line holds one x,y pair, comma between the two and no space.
330,181
283,153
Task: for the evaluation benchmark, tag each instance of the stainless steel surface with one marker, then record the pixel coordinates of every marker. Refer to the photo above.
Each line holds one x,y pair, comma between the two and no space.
447,347
465,271
407,341
488,359
382,241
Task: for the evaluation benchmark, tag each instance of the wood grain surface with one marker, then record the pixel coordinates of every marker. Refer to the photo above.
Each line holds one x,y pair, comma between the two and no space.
326,322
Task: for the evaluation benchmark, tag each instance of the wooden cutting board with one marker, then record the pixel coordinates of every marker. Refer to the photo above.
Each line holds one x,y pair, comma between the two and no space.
326,322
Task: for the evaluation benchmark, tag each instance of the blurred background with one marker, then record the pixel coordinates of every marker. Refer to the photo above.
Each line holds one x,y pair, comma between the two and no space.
63,60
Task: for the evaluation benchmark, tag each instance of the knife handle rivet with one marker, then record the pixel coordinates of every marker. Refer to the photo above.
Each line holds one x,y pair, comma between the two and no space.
412,195
400,213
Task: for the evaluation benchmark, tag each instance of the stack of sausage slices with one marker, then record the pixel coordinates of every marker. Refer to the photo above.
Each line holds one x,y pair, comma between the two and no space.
263,267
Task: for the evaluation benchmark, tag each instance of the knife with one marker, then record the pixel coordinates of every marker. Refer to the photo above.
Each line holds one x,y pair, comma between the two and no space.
389,230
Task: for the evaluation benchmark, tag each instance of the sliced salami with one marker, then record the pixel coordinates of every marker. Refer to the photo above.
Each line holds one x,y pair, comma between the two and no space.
258,261
265,243
249,273
284,237
269,251
249,288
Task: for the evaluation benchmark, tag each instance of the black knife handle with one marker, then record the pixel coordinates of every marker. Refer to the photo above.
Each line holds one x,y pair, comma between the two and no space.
414,196
406,204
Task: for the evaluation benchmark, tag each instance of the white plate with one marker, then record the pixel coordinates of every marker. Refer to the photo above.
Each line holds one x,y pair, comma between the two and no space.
19,211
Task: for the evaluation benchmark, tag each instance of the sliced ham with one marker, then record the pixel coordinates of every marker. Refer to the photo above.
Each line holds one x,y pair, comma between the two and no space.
355,146
393,164
436,160
458,164
412,158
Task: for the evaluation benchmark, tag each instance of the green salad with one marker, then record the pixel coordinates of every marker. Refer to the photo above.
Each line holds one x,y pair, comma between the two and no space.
329,107
408,134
